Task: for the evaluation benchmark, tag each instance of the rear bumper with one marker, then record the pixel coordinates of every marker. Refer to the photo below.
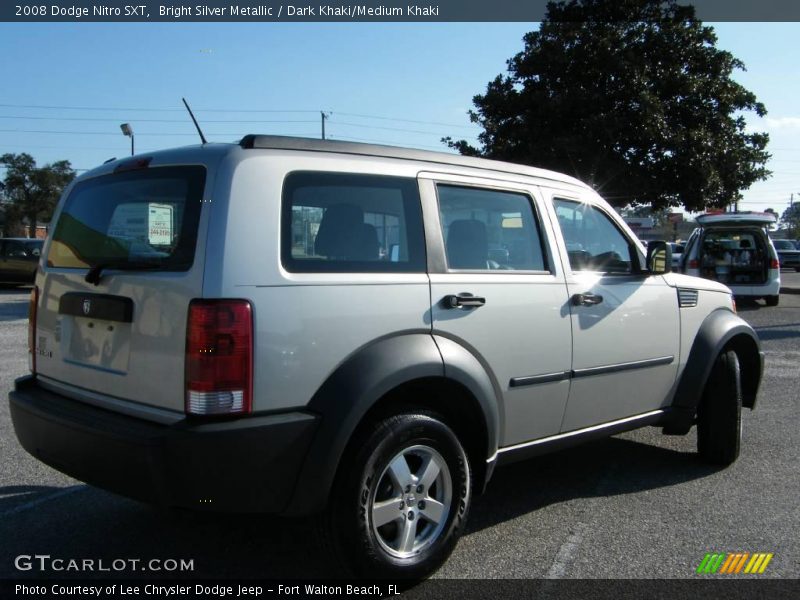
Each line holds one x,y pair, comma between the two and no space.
770,288
244,465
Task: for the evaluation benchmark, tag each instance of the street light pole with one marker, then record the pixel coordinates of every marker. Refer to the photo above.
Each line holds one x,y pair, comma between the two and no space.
127,131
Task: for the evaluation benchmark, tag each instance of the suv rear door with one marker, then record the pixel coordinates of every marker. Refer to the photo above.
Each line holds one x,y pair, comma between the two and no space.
122,336
499,291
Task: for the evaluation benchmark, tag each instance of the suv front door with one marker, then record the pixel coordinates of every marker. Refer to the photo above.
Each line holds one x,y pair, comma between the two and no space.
625,322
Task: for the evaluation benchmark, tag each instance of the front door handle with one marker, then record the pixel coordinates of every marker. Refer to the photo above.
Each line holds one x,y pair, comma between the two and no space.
586,299
463,300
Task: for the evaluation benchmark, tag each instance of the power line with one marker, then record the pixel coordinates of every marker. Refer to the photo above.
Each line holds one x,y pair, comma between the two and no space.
386,128
150,120
405,120
180,110
193,134
239,110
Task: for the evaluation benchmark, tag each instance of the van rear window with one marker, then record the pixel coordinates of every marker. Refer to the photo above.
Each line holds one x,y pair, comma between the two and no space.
145,216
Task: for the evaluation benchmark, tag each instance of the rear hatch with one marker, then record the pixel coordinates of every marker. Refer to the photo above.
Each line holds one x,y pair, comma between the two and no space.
742,219
122,265
735,254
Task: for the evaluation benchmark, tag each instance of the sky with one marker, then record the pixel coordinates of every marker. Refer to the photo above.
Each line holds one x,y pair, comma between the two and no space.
66,87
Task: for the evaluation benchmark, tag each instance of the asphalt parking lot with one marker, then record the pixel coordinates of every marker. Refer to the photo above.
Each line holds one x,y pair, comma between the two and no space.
638,505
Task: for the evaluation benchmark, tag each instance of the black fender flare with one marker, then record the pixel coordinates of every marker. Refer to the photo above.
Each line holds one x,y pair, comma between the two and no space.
721,328
352,389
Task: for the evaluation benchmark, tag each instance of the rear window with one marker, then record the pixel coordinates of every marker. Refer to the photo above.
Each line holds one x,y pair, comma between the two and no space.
144,216
342,222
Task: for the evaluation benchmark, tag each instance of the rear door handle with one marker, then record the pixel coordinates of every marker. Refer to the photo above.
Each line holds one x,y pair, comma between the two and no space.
463,300
586,299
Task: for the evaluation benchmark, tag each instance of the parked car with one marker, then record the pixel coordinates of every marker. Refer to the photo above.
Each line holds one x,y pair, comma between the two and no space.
677,252
735,249
788,255
381,356
18,260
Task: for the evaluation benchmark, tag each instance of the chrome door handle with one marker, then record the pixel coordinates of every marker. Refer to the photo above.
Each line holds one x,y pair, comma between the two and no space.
586,299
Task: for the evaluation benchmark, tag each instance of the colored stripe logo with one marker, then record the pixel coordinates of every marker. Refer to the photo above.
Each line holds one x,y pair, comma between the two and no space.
734,563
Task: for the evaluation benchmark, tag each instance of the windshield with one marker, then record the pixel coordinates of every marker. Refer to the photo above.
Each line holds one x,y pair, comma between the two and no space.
783,245
144,216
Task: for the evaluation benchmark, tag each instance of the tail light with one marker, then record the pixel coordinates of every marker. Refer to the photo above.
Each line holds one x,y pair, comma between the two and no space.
32,305
694,264
774,263
219,357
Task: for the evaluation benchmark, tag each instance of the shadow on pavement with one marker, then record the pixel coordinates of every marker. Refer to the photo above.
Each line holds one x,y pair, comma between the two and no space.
90,523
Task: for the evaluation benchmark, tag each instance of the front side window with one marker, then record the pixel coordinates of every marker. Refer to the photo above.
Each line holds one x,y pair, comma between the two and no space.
489,230
342,222
594,243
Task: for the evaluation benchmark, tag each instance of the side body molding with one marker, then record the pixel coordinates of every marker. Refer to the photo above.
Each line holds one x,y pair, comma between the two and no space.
719,329
346,396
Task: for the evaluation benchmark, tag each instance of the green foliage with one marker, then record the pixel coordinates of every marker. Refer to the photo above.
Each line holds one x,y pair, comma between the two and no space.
30,192
631,96
790,220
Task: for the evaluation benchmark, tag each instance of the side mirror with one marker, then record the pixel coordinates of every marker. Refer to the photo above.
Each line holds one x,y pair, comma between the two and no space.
659,257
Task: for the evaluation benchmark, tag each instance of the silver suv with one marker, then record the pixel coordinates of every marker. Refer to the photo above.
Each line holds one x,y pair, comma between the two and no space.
362,332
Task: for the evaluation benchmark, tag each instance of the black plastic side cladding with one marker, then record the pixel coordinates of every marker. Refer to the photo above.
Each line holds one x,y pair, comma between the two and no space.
361,381
720,329
345,398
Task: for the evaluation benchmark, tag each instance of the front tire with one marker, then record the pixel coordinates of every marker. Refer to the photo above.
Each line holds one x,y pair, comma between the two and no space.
401,498
719,416
772,300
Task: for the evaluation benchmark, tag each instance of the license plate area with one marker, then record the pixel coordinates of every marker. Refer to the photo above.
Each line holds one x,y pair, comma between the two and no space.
95,330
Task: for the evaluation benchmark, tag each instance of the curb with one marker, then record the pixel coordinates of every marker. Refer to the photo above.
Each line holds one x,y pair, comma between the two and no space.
790,290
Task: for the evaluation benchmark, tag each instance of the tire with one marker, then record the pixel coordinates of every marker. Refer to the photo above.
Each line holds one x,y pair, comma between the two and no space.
375,507
772,300
719,416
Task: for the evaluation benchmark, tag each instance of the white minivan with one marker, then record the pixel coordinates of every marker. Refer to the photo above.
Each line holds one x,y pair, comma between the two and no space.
735,249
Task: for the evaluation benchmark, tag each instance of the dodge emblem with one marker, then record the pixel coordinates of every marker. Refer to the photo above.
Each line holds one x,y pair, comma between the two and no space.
87,306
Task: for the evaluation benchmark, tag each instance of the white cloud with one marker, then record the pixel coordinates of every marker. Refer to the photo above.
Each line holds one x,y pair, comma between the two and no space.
781,123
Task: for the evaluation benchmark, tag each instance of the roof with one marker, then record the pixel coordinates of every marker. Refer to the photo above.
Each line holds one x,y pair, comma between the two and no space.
278,142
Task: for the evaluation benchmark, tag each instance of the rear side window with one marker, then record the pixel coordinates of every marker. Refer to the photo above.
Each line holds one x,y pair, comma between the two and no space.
144,216
341,222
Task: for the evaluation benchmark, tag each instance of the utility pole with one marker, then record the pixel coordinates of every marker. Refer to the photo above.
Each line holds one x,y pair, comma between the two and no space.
324,116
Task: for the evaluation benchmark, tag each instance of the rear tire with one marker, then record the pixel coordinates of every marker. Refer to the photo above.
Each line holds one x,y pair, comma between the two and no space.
719,416
401,498
772,300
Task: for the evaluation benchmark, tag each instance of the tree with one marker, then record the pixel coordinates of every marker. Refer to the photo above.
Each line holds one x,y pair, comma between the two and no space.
790,221
631,96
30,192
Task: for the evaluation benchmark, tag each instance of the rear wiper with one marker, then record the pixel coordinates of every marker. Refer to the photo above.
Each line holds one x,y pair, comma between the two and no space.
96,272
